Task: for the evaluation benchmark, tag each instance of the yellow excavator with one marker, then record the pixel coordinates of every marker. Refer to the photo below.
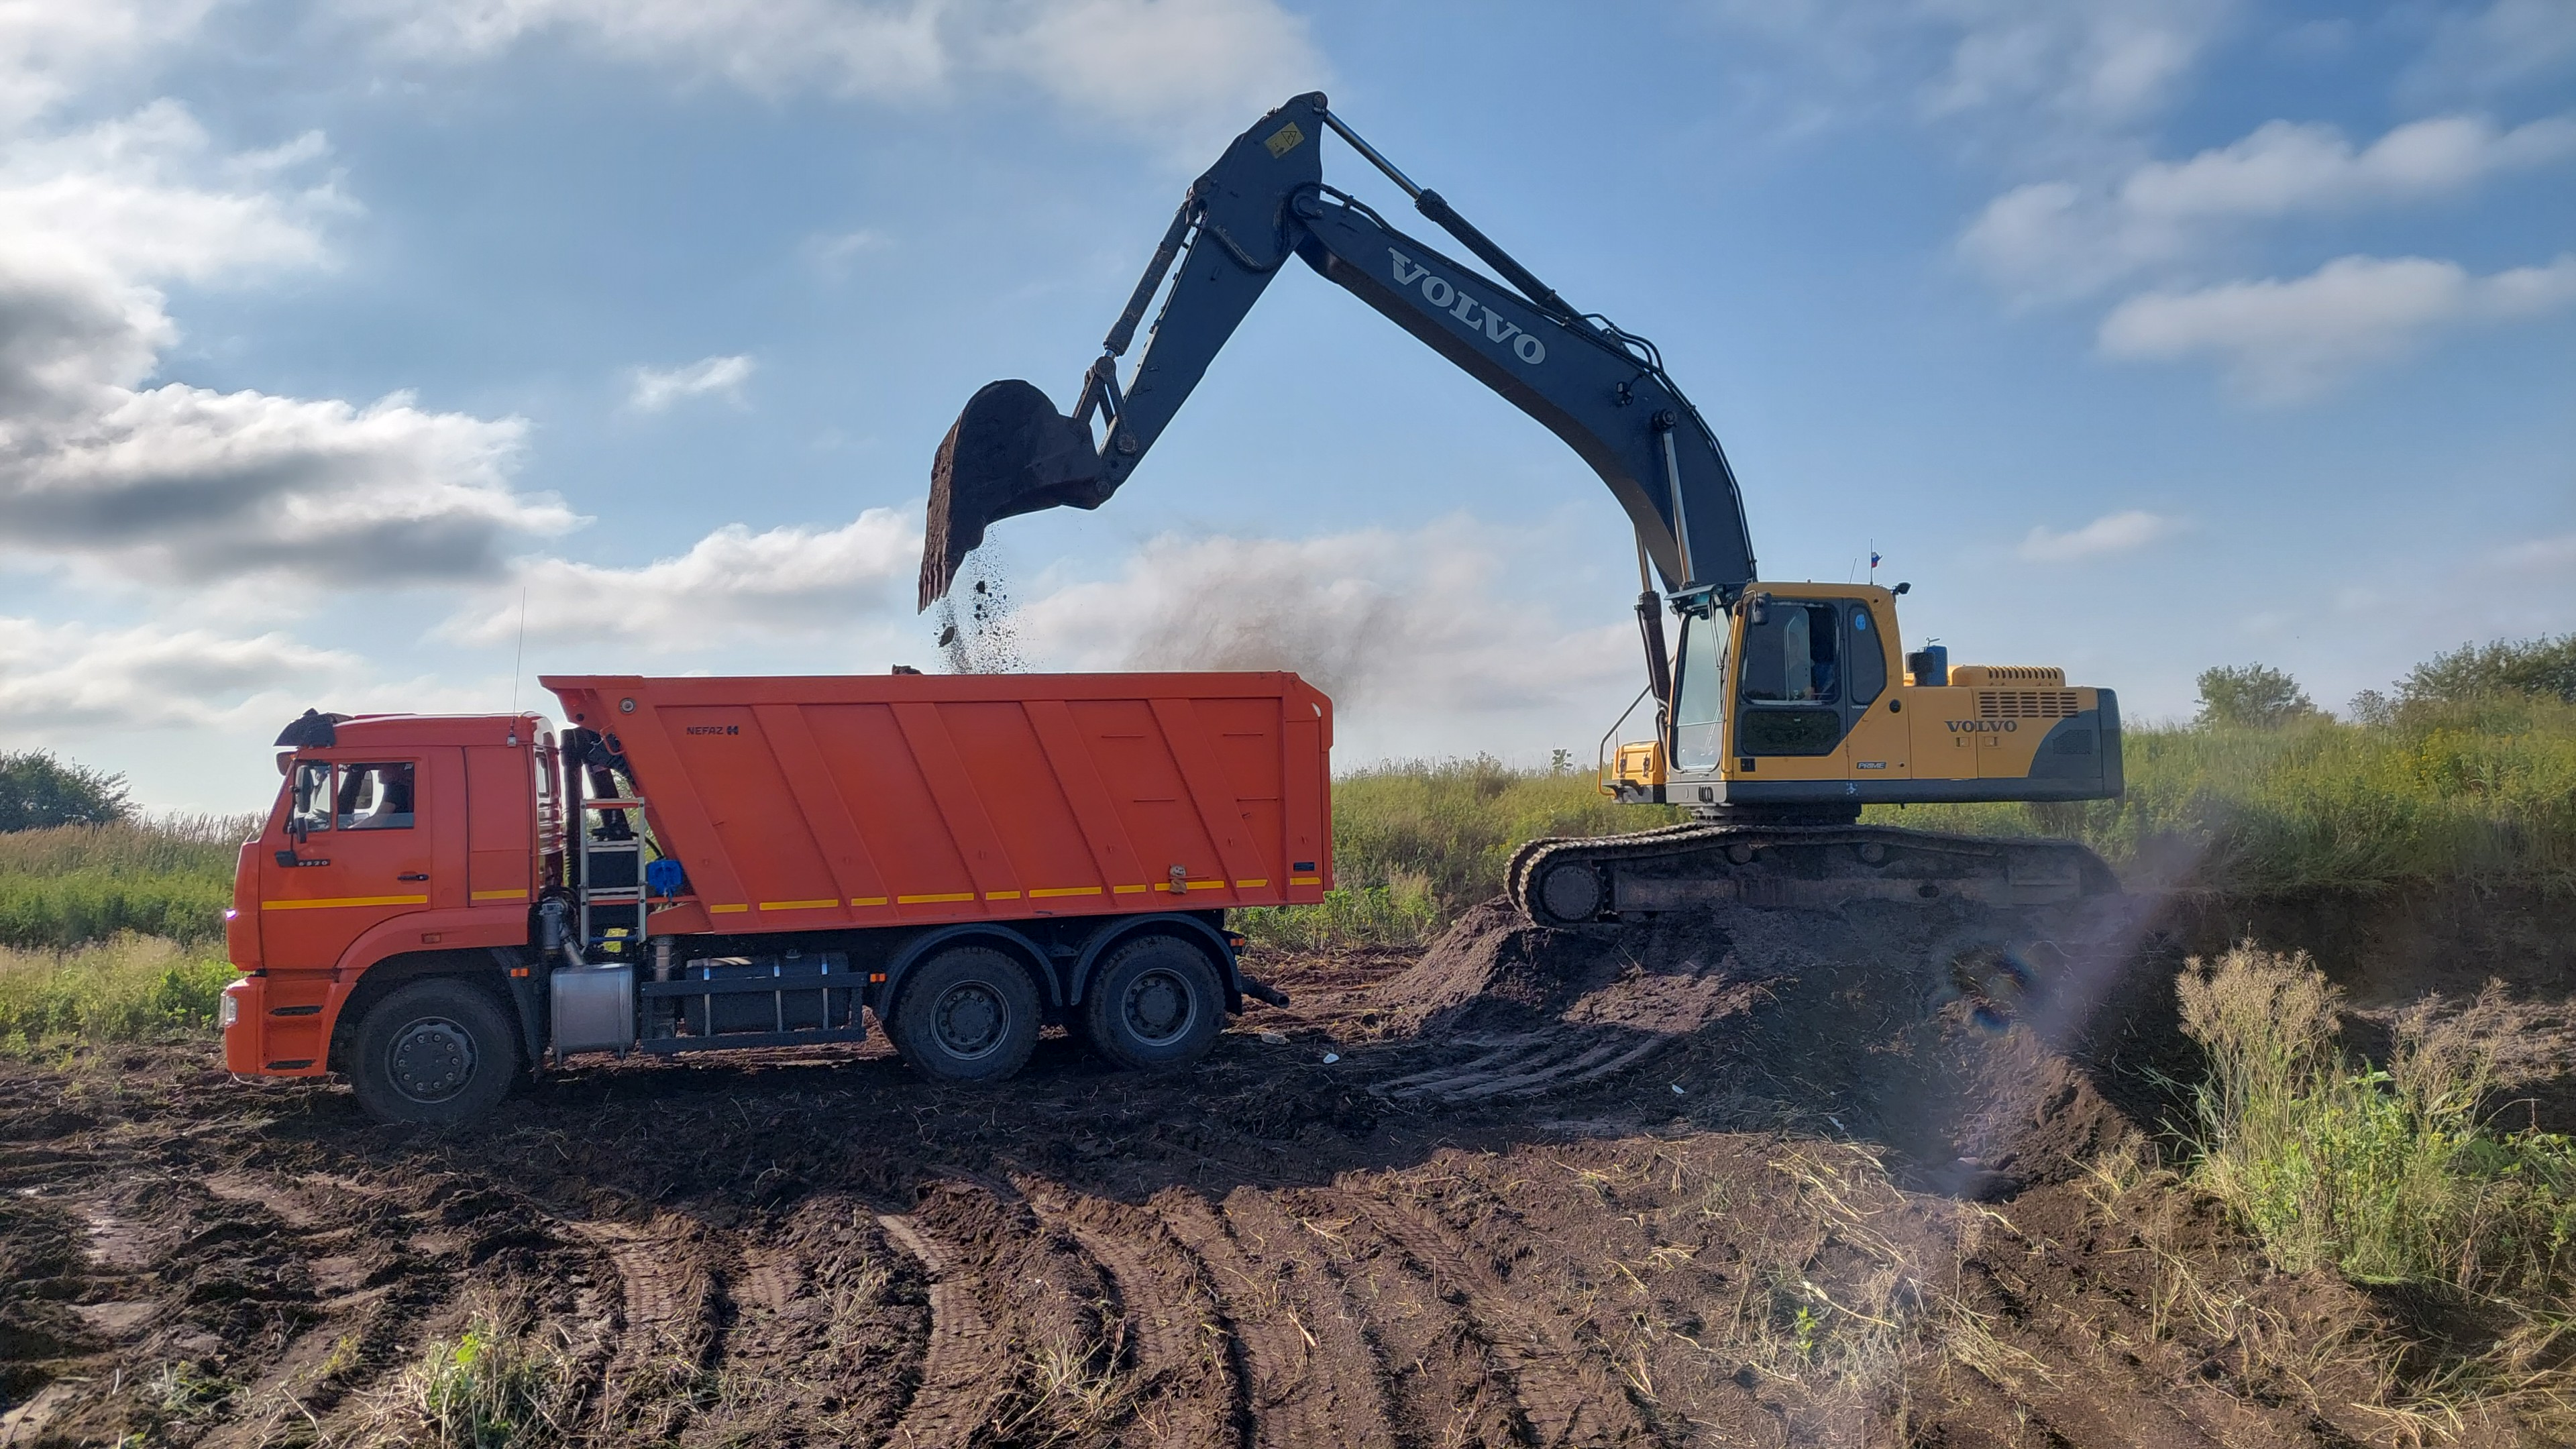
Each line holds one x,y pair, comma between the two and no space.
1780,710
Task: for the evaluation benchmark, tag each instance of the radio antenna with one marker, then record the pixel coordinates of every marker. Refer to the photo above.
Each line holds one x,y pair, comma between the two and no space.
519,656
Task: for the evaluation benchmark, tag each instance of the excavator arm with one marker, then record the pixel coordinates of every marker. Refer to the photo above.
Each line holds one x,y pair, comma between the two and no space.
1604,391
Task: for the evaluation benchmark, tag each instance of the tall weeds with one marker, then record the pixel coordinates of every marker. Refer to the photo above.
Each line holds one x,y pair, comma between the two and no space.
2390,1174
2439,791
76,884
125,989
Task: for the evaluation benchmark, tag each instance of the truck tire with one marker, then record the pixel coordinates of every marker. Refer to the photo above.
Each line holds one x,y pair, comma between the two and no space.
968,1014
1155,1005
435,1052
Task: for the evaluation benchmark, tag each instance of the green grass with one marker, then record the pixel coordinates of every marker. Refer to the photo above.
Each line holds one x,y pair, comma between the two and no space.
2392,1174
76,884
1415,844
2440,792
126,989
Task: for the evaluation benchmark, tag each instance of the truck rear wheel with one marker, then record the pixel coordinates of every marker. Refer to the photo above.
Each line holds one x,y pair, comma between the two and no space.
434,1052
968,1014
1155,1005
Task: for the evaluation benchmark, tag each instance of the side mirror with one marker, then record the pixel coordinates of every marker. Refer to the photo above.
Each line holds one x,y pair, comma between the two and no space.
1903,589
298,828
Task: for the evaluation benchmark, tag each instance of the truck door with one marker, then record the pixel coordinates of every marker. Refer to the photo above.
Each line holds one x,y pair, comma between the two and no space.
364,856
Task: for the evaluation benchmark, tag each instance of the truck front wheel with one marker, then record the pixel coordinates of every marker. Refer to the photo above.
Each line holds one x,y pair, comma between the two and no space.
968,1014
1155,1005
435,1052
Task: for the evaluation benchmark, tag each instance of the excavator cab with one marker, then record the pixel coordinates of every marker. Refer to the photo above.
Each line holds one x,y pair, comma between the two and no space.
1795,703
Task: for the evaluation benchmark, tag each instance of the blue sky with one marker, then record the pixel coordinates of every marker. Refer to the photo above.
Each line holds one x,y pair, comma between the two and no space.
2139,337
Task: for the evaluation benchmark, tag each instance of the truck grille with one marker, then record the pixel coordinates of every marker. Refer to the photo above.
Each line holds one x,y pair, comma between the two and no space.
2025,703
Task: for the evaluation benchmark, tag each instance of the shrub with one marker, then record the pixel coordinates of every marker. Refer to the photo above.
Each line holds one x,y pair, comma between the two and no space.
2252,696
2541,668
38,790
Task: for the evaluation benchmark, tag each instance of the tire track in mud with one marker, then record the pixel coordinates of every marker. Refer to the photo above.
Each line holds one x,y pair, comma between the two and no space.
1317,1376
964,1375
668,1297
1563,1405
1186,1375
1527,1065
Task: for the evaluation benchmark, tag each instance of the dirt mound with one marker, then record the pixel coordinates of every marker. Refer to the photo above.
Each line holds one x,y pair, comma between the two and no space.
1891,1023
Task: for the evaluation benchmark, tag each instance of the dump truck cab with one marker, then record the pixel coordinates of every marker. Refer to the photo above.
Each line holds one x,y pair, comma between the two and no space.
419,840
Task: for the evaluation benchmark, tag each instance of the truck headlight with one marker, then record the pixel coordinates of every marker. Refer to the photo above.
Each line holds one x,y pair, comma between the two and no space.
227,1011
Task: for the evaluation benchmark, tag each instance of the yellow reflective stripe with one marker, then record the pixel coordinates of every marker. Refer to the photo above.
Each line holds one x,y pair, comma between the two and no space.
1249,885
1130,890
934,900
1001,895
517,895
1044,892
1298,880
322,904
867,900
725,910
1207,885
801,905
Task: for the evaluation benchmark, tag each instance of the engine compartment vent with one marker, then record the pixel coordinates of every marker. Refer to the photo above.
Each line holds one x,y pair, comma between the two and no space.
2025,703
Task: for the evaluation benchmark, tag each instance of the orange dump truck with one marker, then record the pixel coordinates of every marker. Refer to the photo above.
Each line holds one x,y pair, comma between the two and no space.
438,903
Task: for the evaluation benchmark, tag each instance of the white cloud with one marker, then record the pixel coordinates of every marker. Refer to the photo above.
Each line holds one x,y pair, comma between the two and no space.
1416,623
49,49
2056,238
2111,533
56,677
651,390
176,484
2509,44
2287,341
1143,64
731,585
2555,555
2093,66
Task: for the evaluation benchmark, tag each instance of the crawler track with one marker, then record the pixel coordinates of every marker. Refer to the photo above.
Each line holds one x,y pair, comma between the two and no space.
1700,866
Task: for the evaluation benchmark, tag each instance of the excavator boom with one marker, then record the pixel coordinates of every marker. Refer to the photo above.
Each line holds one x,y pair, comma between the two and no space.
1602,390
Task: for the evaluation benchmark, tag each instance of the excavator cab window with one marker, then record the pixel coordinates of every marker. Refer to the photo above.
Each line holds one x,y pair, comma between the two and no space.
1699,695
1868,656
1792,673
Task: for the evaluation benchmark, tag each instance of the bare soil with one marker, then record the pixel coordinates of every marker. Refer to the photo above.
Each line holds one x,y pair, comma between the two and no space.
1749,1178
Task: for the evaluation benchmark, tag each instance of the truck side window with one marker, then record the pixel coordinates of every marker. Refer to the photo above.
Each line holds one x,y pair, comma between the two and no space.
1700,695
376,797
309,808
1868,657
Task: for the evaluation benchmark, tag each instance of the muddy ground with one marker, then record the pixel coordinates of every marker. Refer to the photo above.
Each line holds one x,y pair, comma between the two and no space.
1750,1178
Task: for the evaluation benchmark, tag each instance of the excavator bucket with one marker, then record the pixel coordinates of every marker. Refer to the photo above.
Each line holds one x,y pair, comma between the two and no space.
1009,452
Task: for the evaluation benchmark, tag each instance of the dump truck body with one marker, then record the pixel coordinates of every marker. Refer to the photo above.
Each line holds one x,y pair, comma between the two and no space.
705,863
